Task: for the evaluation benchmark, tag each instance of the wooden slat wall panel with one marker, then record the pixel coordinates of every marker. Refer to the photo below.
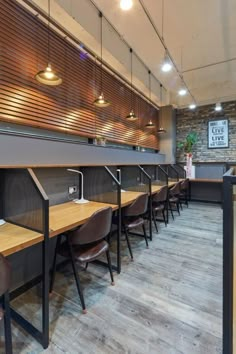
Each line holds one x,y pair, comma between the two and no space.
69,107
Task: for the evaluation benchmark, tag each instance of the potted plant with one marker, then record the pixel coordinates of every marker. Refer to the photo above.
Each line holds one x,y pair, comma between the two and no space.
187,146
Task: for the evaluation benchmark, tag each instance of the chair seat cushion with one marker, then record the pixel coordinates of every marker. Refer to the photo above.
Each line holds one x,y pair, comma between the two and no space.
173,199
132,222
85,253
158,207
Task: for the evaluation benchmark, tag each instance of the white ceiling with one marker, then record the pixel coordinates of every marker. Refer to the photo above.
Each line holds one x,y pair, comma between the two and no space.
196,32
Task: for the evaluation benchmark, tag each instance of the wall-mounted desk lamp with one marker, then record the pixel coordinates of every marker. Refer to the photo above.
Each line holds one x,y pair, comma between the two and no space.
119,178
81,200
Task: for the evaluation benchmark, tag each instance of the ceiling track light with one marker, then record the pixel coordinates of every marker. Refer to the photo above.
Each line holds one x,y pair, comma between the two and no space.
218,107
182,92
126,4
167,64
150,124
161,130
131,116
48,76
100,101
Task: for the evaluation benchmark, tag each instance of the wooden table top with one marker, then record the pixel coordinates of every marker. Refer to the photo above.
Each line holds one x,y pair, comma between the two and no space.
66,216
128,197
207,180
15,238
62,217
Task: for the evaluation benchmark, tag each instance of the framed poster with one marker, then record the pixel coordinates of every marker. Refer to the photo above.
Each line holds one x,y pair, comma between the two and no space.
218,134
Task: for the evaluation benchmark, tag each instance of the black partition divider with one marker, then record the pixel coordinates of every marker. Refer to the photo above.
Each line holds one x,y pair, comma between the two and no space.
24,203
134,178
172,173
229,261
211,170
100,184
157,174
180,169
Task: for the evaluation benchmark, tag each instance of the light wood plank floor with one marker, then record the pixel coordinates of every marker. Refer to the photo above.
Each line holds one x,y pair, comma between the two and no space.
168,301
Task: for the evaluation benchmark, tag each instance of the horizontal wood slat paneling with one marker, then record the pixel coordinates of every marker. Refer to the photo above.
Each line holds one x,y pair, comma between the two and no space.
68,107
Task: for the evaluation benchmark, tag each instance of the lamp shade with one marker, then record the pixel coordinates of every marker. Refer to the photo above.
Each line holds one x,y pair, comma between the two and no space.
150,125
101,102
131,116
161,130
48,77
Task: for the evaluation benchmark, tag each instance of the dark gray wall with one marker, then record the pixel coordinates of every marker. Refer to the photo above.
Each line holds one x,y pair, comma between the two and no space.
56,182
168,139
18,150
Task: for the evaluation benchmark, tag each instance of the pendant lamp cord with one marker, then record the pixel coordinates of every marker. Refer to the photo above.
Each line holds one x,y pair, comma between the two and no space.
49,20
101,16
161,105
162,21
149,72
131,78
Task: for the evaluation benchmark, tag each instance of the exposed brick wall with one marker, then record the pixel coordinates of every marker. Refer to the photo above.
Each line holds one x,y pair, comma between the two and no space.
197,120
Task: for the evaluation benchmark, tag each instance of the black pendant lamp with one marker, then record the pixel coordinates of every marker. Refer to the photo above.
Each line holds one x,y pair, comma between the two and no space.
150,124
131,116
100,101
161,130
48,76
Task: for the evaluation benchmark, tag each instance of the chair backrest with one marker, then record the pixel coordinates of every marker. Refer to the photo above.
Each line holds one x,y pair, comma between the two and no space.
184,186
138,207
175,190
161,195
4,275
96,228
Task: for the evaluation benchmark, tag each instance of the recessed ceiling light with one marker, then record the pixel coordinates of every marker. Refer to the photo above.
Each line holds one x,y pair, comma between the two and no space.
192,106
182,92
218,107
126,4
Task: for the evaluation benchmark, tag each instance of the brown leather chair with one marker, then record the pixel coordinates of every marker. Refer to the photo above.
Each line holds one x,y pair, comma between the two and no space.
133,217
184,191
4,296
85,245
160,204
174,198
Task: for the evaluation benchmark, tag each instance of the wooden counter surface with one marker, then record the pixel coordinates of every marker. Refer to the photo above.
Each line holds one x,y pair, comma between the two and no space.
15,238
207,180
128,197
66,216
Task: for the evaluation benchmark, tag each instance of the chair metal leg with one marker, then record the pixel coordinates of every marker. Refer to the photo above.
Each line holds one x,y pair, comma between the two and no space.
7,324
86,266
145,235
154,220
75,271
164,217
177,206
171,211
53,273
110,267
186,198
128,243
